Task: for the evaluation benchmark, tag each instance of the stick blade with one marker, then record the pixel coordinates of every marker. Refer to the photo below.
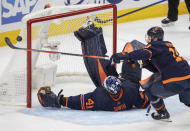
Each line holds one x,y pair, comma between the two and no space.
9,43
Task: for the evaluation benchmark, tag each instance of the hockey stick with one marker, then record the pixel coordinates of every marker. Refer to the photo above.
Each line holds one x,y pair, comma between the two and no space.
98,20
148,110
9,43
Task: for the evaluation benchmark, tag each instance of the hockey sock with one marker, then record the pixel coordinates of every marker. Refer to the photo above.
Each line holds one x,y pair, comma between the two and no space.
158,105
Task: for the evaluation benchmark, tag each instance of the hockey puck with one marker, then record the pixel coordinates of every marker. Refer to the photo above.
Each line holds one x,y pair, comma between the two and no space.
189,27
19,38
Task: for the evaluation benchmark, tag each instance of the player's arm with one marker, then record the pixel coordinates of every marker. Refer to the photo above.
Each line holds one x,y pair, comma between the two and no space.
79,102
149,66
111,70
48,98
141,54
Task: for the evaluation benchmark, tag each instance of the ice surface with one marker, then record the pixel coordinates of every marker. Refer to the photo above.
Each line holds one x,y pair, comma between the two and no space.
104,117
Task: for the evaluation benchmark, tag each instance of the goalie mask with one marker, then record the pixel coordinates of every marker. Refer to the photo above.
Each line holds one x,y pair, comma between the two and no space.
112,84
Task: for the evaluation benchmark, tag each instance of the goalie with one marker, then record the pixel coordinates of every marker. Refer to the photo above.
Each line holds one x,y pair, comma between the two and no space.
113,93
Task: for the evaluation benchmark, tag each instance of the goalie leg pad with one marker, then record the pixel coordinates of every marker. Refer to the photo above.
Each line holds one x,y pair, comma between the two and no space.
47,98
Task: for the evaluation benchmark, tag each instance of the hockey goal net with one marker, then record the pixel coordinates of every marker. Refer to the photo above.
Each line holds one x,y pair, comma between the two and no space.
52,29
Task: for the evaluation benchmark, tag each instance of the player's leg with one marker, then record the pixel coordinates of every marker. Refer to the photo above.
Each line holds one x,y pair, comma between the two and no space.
172,12
183,88
159,90
159,106
93,44
156,93
187,2
173,9
184,97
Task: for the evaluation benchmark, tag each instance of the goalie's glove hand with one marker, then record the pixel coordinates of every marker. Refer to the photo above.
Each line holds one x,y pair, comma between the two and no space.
61,99
47,98
117,57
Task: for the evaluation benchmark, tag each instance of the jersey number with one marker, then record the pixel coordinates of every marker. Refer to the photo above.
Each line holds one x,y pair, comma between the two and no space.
176,54
89,104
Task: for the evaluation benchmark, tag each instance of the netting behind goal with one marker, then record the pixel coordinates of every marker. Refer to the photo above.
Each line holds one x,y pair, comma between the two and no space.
52,29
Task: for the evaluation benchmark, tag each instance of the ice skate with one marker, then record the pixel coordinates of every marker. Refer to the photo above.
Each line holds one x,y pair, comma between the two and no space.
164,116
167,22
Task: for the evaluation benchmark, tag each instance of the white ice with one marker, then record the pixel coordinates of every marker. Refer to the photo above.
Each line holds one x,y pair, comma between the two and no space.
17,118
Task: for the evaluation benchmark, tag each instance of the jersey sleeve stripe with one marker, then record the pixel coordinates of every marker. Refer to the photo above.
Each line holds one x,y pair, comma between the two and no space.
149,52
81,102
66,102
175,79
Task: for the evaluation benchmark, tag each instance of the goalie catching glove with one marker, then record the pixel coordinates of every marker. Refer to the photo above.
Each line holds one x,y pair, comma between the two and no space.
47,98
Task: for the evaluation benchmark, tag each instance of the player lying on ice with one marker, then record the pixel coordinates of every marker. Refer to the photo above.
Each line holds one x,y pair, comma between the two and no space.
172,72
112,93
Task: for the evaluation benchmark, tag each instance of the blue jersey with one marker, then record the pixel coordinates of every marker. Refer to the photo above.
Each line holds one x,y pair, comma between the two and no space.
100,99
166,59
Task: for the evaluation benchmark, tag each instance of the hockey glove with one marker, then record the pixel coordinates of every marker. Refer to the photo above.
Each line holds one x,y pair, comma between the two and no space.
61,99
47,98
117,57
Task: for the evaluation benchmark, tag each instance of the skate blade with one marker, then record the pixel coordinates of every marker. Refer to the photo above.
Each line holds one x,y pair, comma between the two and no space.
165,120
169,24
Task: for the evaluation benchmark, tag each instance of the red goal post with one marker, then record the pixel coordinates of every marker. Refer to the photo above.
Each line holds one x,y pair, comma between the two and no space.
56,16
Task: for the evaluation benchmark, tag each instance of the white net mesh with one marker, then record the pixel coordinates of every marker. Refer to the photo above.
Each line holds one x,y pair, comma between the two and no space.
52,35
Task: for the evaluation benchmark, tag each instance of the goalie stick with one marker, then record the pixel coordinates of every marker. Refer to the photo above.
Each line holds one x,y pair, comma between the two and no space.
9,43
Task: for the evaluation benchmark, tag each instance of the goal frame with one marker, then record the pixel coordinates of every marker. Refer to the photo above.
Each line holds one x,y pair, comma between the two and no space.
56,16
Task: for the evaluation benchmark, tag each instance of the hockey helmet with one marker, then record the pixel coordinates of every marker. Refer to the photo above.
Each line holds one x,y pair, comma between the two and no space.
155,32
112,84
